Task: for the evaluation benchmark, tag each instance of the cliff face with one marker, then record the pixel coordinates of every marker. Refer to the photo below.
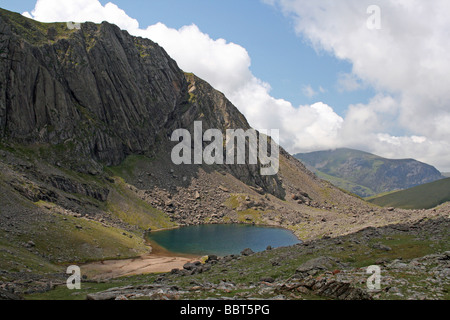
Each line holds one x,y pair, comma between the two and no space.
99,94
98,90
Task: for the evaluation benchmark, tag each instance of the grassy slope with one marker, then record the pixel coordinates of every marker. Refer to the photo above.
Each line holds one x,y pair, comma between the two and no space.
61,238
331,171
425,196
328,164
346,184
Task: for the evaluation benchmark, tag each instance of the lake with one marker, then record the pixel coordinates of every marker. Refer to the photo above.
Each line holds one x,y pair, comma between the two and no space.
221,239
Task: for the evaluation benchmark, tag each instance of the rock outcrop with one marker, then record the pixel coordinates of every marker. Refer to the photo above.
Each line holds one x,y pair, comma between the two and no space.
98,94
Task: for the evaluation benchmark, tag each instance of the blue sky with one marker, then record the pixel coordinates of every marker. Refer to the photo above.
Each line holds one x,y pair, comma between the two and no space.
387,93
279,56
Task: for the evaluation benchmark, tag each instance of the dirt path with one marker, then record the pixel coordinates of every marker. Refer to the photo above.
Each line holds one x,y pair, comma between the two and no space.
143,265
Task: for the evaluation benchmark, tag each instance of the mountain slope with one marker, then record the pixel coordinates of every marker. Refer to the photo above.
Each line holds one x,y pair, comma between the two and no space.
425,196
366,174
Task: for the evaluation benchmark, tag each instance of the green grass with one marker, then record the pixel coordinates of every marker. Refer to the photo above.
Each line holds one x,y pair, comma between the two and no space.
354,250
16,258
57,237
128,207
424,196
346,184
245,216
36,32
363,173
127,168
62,293
64,241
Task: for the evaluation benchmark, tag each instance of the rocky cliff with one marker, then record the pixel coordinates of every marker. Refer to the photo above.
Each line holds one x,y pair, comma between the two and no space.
98,91
101,95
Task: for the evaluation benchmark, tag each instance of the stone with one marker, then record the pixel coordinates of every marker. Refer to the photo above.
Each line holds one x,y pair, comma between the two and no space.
189,266
247,252
380,246
30,244
212,257
320,263
6,295
267,279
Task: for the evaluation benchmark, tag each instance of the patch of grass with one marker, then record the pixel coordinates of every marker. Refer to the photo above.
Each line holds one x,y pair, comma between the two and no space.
341,183
35,32
250,215
62,293
126,169
15,259
69,239
234,201
128,207
425,196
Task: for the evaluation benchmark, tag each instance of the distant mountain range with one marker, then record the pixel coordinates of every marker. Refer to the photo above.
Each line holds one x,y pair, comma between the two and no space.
425,196
366,174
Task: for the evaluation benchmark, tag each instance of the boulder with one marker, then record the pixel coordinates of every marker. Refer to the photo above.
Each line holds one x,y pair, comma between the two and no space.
320,263
247,252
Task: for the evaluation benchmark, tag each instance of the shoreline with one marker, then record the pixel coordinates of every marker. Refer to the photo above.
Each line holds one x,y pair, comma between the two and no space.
159,260
146,264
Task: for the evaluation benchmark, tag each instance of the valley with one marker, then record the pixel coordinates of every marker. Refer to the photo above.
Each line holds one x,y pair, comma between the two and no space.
86,171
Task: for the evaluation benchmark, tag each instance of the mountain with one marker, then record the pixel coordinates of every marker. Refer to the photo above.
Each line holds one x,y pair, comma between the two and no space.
366,174
86,118
425,196
446,174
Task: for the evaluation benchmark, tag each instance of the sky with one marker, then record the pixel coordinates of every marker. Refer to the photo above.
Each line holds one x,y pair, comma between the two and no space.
365,74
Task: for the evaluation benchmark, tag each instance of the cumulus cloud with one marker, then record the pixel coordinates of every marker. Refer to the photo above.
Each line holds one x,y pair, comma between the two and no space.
348,82
81,11
405,61
225,65
309,91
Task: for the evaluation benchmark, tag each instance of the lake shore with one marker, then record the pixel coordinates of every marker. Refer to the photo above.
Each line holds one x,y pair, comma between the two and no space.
152,263
159,260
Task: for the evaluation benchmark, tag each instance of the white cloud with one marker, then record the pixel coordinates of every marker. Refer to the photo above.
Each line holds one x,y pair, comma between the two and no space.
406,60
81,11
348,82
225,65
308,91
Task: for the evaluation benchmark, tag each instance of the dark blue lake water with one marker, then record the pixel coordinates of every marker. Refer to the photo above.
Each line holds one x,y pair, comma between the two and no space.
221,239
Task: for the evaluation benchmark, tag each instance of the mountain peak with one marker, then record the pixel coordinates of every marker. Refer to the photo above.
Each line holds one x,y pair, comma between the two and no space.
366,174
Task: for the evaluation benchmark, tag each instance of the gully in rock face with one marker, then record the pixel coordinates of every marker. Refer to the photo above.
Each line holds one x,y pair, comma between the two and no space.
234,140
